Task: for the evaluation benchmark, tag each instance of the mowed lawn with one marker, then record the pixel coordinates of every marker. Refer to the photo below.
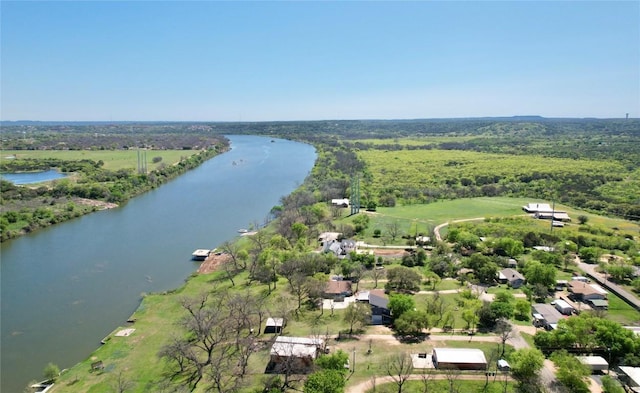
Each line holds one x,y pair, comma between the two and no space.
113,159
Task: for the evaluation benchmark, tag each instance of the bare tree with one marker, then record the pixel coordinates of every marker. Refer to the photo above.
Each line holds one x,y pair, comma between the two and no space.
427,378
452,375
393,230
122,384
399,368
216,342
260,241
236,254
377,274
315,289
231,271
489,368
357,315
504,329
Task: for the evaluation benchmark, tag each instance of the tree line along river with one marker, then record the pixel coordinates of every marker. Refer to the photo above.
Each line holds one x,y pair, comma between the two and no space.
66,287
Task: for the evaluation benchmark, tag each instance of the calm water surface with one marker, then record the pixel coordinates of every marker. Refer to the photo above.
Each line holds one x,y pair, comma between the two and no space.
32,177
66,287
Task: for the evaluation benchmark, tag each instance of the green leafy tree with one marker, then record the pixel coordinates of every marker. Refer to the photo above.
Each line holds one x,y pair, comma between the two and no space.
511,247
51,372
325,381
502,309
571,372
470,316
411,323
400,303
522,310
526,365
334,361
610,385
539,273
403,279
590,254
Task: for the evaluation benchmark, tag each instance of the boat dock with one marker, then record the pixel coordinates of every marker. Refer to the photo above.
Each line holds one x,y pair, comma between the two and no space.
200,254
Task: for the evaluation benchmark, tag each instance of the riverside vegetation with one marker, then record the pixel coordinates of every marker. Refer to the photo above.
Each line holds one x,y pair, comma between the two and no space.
105,169
207,335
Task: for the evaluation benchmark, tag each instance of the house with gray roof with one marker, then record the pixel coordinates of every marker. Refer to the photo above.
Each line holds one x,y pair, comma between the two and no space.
511,277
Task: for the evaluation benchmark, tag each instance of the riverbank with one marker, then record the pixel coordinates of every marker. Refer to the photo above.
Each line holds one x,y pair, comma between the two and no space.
98,267
92,186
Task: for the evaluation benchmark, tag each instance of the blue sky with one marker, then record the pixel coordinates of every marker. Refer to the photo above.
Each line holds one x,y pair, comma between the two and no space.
257,61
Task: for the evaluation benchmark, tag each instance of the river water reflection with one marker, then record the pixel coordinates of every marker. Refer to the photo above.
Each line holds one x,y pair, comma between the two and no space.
66,287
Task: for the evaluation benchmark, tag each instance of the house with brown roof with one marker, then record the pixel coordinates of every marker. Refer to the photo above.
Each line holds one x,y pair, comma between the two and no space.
584,291
337,290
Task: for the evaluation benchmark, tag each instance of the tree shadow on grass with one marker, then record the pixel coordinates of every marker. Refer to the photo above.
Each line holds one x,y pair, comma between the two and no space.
412,338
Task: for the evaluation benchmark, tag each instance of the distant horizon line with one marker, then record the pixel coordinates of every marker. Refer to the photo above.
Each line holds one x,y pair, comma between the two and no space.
515,117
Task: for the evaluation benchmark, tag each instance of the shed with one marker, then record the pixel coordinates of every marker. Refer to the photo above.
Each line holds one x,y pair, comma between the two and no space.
274,325
595,363
599,304
564,307
459,359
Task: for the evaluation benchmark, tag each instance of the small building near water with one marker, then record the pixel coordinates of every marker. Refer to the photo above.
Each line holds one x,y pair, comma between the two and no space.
200,254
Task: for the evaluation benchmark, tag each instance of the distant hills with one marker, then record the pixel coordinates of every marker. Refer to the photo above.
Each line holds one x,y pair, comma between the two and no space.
533,118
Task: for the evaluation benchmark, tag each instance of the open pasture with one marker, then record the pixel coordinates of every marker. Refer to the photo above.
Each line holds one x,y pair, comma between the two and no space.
112,159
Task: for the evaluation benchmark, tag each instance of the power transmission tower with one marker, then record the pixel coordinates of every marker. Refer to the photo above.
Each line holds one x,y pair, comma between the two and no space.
355,195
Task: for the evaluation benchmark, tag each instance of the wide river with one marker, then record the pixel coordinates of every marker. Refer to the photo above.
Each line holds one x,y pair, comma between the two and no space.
66,287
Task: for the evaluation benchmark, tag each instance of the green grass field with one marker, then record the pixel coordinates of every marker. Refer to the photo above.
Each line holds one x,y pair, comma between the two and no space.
113,159
420,218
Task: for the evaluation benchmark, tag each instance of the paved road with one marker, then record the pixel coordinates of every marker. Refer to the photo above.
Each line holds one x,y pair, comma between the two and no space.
601,279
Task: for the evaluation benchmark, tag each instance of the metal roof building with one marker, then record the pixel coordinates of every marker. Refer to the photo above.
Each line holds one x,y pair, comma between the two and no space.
459,358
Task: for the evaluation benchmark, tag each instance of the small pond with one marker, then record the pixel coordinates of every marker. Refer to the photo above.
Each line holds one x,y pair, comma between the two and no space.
32,177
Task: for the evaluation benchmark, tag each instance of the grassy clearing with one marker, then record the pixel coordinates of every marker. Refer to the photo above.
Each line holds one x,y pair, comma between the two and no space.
621,312
412,219
113,159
